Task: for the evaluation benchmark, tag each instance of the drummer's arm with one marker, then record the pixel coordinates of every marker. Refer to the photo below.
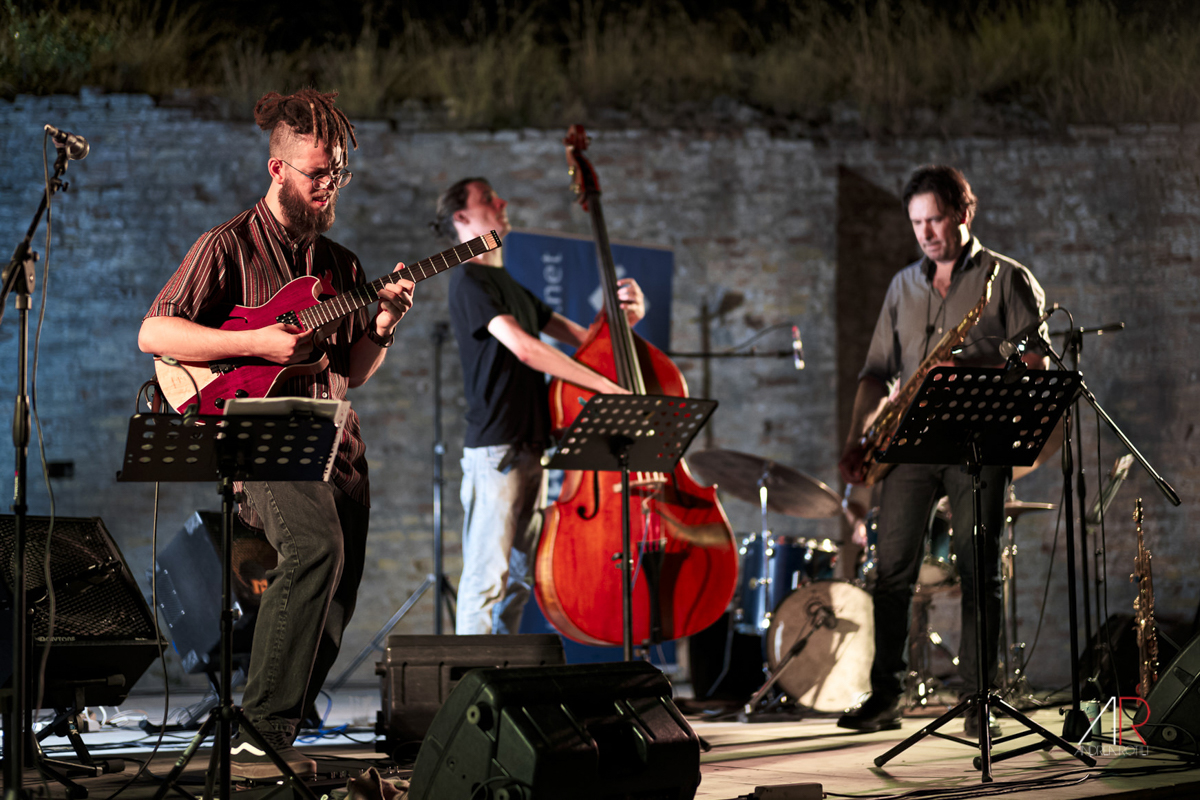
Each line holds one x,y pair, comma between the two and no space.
868,401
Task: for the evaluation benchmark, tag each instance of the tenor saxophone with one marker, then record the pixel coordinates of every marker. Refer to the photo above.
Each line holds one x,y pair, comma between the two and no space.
1143,611
881,430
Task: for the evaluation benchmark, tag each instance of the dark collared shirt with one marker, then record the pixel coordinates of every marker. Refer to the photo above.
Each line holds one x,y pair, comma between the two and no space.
915,316
245,262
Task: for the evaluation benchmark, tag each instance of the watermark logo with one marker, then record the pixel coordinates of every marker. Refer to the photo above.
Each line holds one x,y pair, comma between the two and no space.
1095,746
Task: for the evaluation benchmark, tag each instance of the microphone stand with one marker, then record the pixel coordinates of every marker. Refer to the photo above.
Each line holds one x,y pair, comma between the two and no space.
18,278
1073,346
1075,724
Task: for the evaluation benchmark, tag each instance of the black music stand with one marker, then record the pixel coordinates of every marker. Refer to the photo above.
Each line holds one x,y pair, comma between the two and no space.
245,447
977,417
623,432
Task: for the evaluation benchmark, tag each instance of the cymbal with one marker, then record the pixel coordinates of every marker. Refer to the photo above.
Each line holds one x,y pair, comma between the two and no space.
789,491
1015,508
1012,508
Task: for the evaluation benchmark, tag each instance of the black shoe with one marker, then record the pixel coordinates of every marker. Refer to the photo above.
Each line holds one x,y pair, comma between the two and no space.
249,761
971,724
876,713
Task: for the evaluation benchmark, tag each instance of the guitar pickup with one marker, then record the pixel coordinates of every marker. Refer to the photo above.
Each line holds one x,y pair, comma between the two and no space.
222,367
289,318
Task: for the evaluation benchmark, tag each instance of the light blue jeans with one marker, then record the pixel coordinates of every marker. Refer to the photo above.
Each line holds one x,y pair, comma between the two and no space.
502,517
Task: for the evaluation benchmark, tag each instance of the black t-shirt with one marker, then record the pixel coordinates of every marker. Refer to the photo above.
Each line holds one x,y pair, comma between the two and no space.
507,402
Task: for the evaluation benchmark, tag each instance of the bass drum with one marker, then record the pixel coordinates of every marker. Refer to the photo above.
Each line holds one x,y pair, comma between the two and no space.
832,671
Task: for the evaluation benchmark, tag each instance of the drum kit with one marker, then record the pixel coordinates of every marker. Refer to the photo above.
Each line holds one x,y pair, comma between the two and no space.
818,631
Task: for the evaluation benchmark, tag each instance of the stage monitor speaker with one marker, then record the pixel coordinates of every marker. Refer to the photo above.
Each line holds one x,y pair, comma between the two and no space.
1173,723
103,637
418,673
588,732
189,589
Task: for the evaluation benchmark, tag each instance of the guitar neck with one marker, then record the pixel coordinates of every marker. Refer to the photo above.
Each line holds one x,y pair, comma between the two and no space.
352,300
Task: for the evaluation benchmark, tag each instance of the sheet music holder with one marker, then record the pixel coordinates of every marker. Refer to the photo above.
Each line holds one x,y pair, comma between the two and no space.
982,417
292,439
623,433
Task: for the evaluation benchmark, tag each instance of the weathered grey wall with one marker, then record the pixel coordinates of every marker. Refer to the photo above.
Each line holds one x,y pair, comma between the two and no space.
1108,219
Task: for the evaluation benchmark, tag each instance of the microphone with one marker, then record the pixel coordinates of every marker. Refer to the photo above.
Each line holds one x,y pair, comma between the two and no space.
797,348
1014,367
74,145
1013,345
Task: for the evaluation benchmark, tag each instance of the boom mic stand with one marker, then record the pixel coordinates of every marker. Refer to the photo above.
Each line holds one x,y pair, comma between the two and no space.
19,277
443,591
1075,724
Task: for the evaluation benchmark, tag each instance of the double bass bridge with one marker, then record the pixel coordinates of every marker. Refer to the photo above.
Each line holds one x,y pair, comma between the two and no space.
644,483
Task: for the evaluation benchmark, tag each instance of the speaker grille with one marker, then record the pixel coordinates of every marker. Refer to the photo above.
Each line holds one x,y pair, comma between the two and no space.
96,598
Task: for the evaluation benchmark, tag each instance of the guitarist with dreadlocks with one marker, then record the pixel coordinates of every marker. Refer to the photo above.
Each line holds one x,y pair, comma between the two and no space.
319,529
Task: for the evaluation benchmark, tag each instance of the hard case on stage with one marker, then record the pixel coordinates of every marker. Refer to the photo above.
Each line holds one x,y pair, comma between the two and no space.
418,673
587,731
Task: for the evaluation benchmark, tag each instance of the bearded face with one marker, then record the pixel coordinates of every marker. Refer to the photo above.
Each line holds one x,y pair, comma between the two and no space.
296,200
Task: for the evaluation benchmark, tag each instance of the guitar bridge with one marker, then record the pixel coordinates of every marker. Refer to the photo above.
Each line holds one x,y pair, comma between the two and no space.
222,367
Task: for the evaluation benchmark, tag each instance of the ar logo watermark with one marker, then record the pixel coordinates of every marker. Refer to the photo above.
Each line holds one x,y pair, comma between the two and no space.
1117,747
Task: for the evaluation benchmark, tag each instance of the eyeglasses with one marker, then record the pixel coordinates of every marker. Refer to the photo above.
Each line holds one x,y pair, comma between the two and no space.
321,182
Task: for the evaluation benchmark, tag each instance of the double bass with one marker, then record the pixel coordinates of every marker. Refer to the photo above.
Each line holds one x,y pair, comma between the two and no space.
684,556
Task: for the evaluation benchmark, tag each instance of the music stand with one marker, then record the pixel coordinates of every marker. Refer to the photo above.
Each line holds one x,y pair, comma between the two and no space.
977,417
299,446
620,433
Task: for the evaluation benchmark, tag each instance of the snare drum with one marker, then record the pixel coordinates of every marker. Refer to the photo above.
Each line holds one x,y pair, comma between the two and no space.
769,575
832,671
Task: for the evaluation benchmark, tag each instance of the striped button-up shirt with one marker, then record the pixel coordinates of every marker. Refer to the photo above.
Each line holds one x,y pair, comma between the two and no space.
245,262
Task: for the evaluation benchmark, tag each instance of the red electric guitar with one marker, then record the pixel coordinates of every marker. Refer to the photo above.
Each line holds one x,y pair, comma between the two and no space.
295,304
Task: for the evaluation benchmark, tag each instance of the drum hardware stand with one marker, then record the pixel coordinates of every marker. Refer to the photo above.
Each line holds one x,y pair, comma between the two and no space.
823,617
1015,683
764,575
922,685
943,425
160,447
640,433
443,590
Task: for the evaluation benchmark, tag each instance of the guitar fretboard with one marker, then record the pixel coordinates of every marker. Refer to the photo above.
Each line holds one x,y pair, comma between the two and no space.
360,296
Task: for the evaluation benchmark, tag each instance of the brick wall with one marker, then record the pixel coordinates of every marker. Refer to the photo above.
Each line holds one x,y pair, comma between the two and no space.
1108,219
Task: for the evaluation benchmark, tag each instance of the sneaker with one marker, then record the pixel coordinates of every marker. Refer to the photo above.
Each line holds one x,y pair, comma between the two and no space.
971,724
249,761
876,713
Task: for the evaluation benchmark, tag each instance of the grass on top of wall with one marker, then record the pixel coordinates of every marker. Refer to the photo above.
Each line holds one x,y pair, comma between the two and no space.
884,66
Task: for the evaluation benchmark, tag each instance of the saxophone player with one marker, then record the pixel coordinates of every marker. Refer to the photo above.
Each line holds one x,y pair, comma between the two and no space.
924,300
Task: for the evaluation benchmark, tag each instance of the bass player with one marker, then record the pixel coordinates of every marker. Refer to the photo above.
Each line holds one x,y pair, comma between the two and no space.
925,299
497,323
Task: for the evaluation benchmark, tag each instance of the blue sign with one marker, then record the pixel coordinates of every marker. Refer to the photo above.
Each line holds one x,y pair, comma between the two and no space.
562,270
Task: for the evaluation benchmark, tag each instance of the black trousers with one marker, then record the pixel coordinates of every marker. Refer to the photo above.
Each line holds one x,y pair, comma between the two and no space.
908,495
321,537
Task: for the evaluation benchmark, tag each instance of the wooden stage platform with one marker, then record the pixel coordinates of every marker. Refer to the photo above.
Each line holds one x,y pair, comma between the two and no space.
741,757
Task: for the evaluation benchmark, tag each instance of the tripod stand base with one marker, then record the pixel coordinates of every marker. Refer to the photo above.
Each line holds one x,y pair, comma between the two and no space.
986,702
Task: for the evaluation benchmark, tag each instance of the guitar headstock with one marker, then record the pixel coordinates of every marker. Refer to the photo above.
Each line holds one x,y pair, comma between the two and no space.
583,177
1138,517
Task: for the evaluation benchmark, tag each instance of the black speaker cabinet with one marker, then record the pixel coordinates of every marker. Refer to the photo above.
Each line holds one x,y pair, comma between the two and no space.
189,589
1174,705
588,732
103,637
418,673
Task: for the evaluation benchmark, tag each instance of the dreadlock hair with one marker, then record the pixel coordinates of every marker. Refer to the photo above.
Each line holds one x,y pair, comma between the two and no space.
305,113
449,203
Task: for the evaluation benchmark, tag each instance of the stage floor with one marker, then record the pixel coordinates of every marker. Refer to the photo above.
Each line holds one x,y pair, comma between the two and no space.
741,757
